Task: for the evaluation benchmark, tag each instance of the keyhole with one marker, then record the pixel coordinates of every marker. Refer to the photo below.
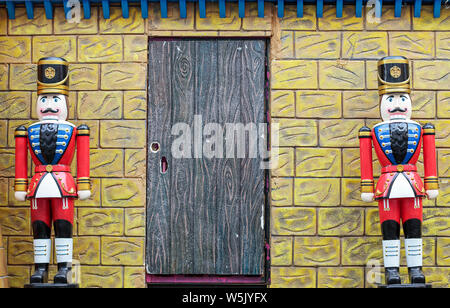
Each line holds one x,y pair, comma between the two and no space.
154,147
164,165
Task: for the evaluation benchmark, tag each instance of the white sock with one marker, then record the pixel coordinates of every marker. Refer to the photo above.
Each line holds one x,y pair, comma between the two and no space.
42,250
413,248
64,247
391,253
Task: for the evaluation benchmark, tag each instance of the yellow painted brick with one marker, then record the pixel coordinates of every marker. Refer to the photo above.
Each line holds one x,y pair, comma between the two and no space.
214,22
348,21
123,192
94,200
18,275
4,282
87,249
253,22
100,48
294,74
439,277
282,104
84,26
20,250
15,105
443,251
293,277
117,24
314,162
341,75
188,33
244,34
431,75
123,133
388,21
135,221
443,104
360,250
318,104
281,250
173,20
341,221
351,193
21,25
285,162
3,133
84,76
3,192
135,163
444,192
3,22
100,221
287,45
106,162
135,105
436,221
295,132
316,251
71,103
317,45
423,104
293,221
290,21
135,48
339,133
15,221
23,77
340,277
361,104
427,21
316,192
413,45
134,277
123,251
364,45
102,277
100,104
55,46
4,74
18,49
7,162
372,75
282,190
12,125
443,45
124,76
94,131
372,222
442,134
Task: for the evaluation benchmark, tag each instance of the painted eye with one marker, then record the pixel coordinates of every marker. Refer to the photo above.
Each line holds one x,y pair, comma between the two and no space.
43,100
56,99
403,99
390,100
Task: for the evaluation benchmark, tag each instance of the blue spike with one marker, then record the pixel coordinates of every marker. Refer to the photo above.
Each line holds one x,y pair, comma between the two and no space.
105,7
261,8
437,8
86,9
398,8
144,9
280,8
319,8
183,10
378,8
222,9
417,8
202,8
300,8
163,4
359,8
339,8
29,8
11,9
125,9
48,7
241,4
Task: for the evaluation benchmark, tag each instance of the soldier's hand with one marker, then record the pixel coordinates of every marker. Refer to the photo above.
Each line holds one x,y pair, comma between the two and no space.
367,197
432,194
20,195
84,194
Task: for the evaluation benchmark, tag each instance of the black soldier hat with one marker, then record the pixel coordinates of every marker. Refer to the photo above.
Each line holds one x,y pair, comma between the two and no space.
53,76
393,75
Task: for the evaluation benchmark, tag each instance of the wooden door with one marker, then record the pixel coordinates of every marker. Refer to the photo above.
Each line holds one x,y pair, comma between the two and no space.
204,215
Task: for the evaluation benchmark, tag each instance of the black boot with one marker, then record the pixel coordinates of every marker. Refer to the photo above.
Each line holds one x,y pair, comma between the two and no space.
41,273
416,275
392,275
62,276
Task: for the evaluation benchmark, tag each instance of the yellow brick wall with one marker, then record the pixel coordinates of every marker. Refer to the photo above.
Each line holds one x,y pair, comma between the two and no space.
323,89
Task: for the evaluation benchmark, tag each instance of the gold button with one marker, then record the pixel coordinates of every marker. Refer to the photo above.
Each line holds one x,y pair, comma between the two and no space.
400,168
381,137
49,168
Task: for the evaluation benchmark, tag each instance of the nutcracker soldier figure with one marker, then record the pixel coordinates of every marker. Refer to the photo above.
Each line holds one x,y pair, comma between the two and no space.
52,190
399,191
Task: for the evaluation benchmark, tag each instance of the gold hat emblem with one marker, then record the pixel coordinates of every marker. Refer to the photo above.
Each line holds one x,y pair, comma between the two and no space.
395,71
50,72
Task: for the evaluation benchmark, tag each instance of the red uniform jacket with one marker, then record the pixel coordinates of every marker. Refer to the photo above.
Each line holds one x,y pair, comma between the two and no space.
397,145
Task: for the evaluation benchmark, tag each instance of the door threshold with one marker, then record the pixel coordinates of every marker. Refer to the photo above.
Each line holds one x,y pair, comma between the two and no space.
207,280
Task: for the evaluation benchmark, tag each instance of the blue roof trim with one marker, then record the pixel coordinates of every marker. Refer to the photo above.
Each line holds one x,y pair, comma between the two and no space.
105,4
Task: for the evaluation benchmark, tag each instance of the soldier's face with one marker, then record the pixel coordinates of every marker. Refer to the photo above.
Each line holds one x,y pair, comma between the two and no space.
52,107
395,106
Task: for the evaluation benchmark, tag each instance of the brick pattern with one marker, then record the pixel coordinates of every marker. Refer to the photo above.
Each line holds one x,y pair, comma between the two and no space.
323,80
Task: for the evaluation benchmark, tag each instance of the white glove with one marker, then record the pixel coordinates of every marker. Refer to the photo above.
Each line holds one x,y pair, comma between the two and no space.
432,194
20,195
367,197
84,194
